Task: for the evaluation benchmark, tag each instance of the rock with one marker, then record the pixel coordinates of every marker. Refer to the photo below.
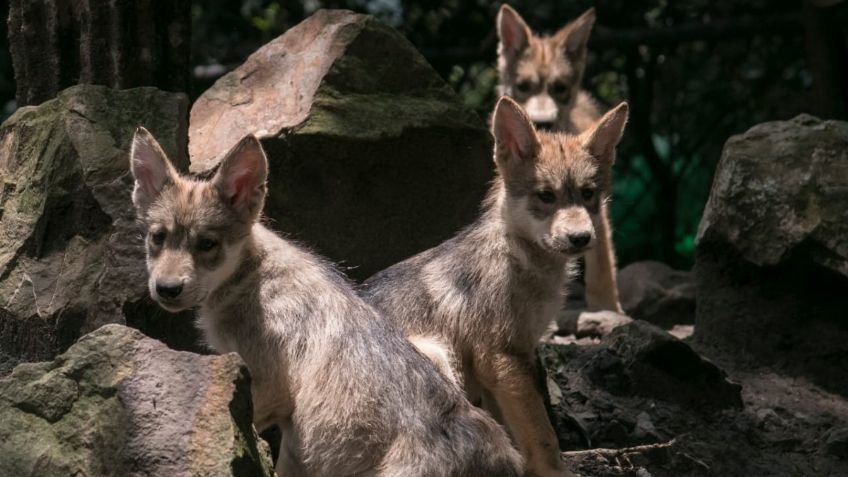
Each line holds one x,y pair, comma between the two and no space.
119,403
71,258
772,249
590,323
682,332
836,443
654,292
655,364
645,428
778,185
371,160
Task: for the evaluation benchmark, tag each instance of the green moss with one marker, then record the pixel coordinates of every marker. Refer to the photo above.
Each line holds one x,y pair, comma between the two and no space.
363,116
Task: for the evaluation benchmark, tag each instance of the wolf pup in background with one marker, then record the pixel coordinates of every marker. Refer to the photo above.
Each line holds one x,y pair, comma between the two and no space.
491,291
544,74
351,395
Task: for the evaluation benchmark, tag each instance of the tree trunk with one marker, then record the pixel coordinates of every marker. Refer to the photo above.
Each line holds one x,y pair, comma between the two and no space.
826,59
118,43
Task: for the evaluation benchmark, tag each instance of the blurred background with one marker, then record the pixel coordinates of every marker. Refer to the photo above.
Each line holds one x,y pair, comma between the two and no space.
695,72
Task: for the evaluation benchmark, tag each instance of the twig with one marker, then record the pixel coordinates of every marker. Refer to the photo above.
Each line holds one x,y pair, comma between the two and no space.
620,452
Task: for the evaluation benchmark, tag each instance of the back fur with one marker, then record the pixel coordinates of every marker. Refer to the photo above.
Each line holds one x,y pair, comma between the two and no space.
490,291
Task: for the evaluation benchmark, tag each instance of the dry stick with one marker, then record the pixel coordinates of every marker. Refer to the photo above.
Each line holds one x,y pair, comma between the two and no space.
619,452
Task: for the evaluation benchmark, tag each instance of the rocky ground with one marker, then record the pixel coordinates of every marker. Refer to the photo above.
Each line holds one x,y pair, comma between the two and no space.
635,399
785,426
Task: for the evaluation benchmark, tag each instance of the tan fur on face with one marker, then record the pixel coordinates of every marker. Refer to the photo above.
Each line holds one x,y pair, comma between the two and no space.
188,212
531,164
544,73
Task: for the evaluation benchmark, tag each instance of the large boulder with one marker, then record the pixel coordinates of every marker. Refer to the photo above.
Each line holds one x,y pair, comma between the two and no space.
71,257
772,248
372,156
643,359
654,292
118,403
628,387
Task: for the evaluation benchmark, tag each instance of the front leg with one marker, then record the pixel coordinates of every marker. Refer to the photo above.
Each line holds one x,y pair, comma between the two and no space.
289,462
510,380
601,286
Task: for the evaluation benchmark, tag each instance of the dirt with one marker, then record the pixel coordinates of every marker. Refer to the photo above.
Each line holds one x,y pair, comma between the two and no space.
786,425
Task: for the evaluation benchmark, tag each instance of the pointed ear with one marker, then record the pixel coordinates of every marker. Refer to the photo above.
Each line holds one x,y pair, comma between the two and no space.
515,137
151,169
241,178
574,37
512,31
601,139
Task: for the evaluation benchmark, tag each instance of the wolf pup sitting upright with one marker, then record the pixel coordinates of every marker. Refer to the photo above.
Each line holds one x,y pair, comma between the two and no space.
544,74
491,290
351,395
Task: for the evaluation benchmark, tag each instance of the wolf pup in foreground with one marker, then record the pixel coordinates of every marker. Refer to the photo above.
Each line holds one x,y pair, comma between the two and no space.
544,74
351,395
492,290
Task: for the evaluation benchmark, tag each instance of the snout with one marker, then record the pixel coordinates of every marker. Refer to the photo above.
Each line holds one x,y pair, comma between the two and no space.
574,244
572,231
171,294
579,240
542,110
169,290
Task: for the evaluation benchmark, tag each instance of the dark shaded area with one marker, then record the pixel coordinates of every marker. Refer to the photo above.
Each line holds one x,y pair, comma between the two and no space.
325,199
790,317
176,330
121,44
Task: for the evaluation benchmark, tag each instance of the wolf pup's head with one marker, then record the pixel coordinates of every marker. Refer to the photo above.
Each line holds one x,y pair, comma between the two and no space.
542,73
554,182
195,229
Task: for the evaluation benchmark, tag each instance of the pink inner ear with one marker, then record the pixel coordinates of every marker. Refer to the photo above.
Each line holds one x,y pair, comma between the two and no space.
511,33
240,186
511,143
145,177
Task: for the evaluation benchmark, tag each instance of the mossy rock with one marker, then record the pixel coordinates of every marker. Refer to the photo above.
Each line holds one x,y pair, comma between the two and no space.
120,404
71,258
373,156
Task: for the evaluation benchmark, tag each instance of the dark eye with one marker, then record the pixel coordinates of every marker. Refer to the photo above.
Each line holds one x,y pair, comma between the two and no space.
587,193
523,86
206,244
158,237
546,196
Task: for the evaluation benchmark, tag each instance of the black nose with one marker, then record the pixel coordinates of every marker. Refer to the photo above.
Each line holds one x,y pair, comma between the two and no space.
580,240
543,126
169,290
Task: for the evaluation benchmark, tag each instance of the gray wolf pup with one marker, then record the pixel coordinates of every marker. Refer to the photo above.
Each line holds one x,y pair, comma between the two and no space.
544,74
490,291
351,395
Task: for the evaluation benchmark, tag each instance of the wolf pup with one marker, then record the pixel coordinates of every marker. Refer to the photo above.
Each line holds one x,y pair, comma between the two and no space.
491,290
351,395
544,74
